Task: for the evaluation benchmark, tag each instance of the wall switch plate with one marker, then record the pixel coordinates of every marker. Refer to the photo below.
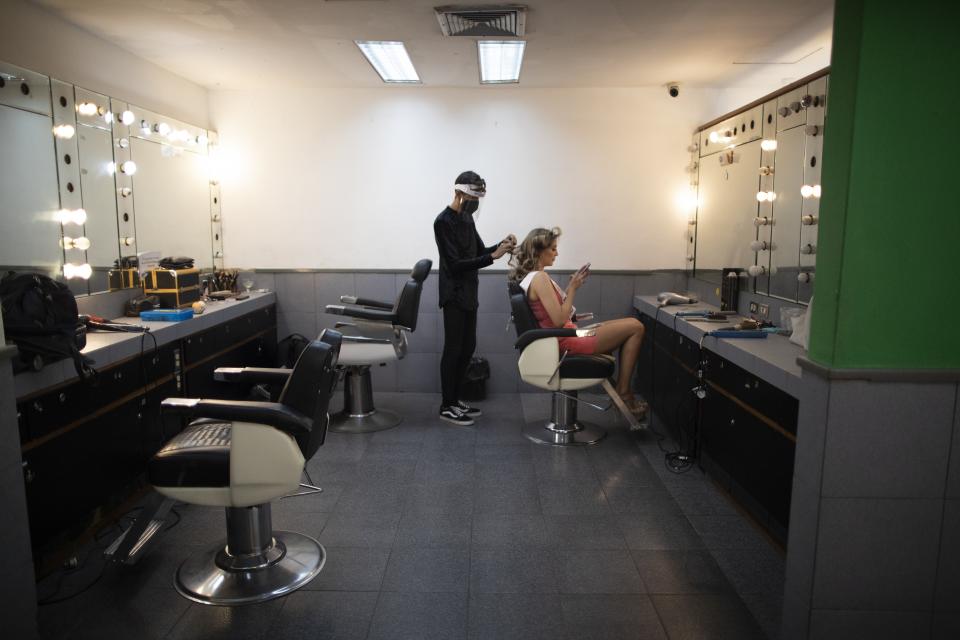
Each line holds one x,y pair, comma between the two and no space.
754,307
764,311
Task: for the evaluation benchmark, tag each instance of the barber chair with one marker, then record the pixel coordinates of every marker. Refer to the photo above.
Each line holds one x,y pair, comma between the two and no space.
543,365
376,334
240,456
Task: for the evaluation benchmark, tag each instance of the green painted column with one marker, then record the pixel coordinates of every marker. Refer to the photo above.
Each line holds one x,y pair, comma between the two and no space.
888,283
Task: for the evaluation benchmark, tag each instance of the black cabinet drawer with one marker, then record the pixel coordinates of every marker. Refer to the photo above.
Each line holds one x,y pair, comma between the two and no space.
780,407
70,476
202,345
223,336
757,458
56,409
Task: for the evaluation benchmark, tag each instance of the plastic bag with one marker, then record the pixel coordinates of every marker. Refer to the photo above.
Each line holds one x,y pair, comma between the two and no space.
801,328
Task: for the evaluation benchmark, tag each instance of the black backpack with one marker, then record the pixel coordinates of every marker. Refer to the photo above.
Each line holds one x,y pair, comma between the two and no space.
40,317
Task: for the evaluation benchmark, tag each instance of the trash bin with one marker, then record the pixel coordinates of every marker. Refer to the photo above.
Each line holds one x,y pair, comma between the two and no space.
474,385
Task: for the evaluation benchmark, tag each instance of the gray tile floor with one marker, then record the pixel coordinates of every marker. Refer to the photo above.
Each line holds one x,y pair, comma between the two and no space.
436,531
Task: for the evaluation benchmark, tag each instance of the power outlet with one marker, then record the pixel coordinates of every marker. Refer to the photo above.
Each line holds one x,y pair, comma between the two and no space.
754,307
763,311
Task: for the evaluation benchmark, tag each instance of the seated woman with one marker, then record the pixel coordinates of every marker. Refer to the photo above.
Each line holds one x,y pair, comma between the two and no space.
553,307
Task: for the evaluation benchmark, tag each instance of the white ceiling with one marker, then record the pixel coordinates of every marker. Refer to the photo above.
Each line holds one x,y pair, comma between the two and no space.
235,44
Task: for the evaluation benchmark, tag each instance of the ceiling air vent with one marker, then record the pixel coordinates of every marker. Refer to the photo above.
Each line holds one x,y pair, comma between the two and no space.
487,20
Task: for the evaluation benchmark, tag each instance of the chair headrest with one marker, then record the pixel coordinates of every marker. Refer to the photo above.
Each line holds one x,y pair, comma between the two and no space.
421,270
334,339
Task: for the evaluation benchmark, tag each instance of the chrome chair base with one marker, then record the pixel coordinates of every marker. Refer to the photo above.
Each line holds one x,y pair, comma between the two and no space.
359,415
564,429
217,578
377,420
580,434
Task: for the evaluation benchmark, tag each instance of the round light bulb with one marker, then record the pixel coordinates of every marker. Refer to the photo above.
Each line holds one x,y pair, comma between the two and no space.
808,249
761,196
809,220
125,192
82,243
771,196
108,117
805,276
806,191
817,190
128,167
762,221
162,128
769,145
127,241
127,117
87,109
123,143
758,245
71,271
64,131
71,216
713,137
756,270
202,140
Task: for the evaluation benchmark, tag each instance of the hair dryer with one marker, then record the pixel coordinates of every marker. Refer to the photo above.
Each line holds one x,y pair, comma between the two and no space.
668,297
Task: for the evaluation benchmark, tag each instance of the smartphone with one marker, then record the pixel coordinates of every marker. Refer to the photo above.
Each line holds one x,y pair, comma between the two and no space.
584,268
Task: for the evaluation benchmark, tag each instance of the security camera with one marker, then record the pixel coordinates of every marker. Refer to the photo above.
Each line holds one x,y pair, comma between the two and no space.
673,89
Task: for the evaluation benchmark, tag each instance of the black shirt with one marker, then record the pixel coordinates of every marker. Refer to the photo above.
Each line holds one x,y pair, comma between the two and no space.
461,254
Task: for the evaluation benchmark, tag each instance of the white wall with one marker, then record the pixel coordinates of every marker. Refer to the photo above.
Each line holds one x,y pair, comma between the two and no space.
355,178
801,53
41,41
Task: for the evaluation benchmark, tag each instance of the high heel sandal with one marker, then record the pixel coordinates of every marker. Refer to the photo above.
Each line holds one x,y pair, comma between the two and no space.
638,408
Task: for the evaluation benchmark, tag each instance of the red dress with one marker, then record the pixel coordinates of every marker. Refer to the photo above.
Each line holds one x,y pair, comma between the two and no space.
585,345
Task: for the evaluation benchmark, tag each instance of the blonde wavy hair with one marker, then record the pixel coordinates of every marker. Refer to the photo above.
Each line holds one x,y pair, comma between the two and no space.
526,257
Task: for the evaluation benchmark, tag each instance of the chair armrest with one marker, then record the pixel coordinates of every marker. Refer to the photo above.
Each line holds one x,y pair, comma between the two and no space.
360,312
366,302
272,414
537,334
580,317
251,374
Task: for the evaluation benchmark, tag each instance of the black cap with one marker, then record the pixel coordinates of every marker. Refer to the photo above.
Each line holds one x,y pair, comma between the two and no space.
471,178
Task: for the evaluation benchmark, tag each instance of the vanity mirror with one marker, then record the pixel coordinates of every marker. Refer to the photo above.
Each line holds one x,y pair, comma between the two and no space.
758,191
88,179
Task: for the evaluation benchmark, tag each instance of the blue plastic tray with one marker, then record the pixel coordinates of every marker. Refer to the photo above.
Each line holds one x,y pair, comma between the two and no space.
166,315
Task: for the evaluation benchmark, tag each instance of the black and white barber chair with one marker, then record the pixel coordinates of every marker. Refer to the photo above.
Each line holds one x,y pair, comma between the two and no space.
241,456
543,365
375,334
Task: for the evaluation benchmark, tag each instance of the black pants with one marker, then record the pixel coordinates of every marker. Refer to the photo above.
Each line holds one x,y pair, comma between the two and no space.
459,342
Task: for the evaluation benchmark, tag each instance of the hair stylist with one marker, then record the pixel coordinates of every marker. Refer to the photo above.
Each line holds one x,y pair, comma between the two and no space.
462,254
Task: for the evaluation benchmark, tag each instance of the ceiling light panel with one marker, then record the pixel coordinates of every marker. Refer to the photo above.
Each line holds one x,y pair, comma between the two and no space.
390,60
500,60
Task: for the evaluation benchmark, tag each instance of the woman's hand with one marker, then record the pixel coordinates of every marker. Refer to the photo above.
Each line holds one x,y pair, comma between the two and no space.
577,280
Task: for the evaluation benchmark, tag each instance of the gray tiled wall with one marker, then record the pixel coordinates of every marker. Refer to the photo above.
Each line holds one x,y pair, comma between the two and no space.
303,296
875,522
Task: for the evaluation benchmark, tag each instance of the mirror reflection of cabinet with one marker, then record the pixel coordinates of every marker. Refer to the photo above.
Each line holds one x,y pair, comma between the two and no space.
759,191
67,187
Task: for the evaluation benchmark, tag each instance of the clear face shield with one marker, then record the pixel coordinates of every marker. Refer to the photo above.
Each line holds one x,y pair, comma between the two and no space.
472,205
